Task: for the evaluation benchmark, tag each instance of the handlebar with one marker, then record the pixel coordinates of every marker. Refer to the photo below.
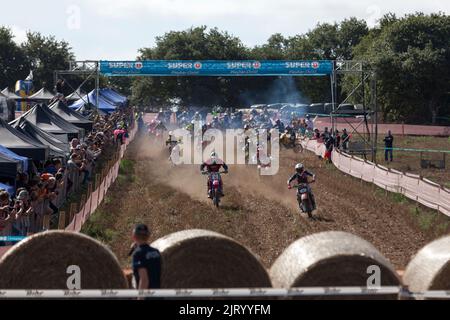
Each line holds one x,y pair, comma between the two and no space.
205,173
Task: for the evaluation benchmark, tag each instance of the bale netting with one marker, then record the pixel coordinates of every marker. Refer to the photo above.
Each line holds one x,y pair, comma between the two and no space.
42,262
430,268
203,259
332,259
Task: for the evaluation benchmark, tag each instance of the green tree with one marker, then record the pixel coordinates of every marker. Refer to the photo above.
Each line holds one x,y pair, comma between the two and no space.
192,44
46,54
411,57
14,64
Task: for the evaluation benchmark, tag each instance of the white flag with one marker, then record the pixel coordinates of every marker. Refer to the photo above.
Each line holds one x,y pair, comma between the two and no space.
30,76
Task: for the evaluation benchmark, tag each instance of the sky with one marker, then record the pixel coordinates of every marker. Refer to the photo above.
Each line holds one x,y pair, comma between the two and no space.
116,29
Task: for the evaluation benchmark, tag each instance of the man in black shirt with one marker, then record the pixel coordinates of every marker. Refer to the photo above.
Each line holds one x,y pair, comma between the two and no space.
389,145
146,260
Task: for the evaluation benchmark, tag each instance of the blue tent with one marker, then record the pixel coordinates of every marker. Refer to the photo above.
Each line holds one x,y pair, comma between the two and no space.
103,103
6,153
8,188
114,97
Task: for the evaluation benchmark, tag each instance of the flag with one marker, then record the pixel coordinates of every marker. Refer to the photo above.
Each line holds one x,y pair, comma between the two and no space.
30,76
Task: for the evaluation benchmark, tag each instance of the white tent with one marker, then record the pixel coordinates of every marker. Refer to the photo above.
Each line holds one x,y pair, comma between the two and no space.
10,95
42,95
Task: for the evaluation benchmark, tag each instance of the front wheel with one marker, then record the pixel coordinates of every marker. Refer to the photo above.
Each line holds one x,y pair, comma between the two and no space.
216,198
308,208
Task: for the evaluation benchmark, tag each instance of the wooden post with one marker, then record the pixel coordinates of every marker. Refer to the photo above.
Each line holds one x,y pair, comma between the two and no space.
97,180
62,221
46,222
73,211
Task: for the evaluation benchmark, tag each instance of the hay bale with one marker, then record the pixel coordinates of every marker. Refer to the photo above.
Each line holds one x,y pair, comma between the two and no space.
331,259
41,262
430,268
203,259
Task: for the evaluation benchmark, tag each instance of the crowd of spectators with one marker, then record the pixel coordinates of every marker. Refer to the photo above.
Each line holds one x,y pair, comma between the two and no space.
42,193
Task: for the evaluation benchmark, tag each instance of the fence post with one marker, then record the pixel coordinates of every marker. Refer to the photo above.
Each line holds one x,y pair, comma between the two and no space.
97,180
62,221
46,223
73,211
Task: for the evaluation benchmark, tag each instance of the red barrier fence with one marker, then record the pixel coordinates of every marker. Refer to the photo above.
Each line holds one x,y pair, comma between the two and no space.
96,197
414,187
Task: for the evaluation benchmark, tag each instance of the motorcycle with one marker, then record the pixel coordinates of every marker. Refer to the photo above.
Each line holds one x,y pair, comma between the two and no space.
304,200
288,143
215,179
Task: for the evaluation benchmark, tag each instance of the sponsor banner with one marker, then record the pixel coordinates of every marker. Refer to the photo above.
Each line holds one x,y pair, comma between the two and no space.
216,68
221,293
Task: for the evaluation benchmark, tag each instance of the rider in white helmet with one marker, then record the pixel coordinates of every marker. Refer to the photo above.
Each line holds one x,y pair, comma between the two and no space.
301,176
214,164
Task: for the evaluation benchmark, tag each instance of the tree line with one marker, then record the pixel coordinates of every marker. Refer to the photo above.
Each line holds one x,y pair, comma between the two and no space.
410,55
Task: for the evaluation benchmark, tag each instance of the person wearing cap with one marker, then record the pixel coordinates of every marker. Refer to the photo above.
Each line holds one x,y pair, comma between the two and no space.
146,260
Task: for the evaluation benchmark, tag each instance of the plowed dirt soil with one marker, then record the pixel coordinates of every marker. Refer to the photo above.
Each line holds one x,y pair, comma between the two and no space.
259,212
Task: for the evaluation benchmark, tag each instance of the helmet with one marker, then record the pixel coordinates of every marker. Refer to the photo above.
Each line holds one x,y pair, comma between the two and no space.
213,154
299,167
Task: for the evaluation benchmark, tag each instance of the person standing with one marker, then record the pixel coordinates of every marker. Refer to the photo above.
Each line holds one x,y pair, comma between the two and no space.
389,145
345,140
146,260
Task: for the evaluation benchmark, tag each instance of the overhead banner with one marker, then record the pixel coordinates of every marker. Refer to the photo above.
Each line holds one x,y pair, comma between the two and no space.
164,68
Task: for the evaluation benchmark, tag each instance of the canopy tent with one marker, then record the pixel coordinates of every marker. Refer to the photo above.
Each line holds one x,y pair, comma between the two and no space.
114,97
7,108
8,167
90,111
19,143
76,95
103,104
42,95
10,94
45,119
75,118
58,148
11,155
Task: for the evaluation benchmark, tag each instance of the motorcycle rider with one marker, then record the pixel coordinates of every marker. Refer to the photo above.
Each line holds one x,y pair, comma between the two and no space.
213,165
301,175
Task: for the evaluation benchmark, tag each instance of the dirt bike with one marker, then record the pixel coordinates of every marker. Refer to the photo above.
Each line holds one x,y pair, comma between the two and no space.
214,179
288,143
304,199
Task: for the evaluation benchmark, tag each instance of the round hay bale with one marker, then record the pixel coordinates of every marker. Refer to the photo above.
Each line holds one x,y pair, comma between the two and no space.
331,259
203,259
430,268
42,261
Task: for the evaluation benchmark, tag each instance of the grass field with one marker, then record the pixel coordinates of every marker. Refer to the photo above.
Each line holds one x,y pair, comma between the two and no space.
410,162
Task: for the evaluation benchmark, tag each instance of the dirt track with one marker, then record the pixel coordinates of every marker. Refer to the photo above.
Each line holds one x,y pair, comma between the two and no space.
257,211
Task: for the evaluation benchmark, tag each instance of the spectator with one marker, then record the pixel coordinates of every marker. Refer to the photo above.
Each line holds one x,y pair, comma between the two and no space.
345,140
37,192
309,124
316,134
5,216
389,145
338,140
146,260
